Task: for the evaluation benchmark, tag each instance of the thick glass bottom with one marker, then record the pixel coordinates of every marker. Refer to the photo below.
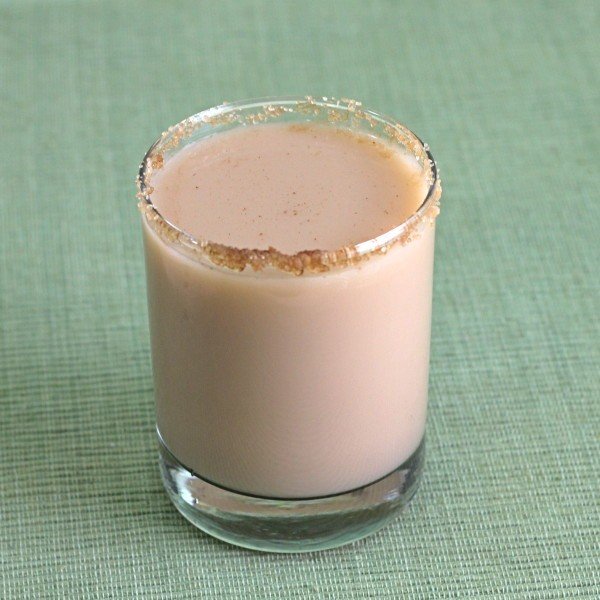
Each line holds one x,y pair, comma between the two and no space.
275,525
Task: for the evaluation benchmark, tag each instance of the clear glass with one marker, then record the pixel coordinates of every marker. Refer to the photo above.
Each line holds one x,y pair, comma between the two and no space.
291,425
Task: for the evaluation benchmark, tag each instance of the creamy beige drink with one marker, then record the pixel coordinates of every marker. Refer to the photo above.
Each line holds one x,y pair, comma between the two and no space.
298,377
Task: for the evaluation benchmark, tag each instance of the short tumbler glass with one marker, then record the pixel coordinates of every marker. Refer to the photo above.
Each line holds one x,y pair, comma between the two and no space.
291,390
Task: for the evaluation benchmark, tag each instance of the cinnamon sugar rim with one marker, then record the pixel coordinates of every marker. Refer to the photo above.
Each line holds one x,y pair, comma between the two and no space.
342,112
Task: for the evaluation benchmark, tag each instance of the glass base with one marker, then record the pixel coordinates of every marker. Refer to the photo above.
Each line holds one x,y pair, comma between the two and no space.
275,525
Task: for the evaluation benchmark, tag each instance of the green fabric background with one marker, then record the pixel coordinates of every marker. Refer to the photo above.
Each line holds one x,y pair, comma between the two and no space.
506,94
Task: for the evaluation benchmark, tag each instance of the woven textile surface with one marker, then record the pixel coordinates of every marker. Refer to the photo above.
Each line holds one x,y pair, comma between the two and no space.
507,94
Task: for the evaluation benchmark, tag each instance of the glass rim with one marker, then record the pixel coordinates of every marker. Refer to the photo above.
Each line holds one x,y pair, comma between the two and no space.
306,261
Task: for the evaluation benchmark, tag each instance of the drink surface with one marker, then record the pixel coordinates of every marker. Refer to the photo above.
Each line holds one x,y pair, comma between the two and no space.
291,186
